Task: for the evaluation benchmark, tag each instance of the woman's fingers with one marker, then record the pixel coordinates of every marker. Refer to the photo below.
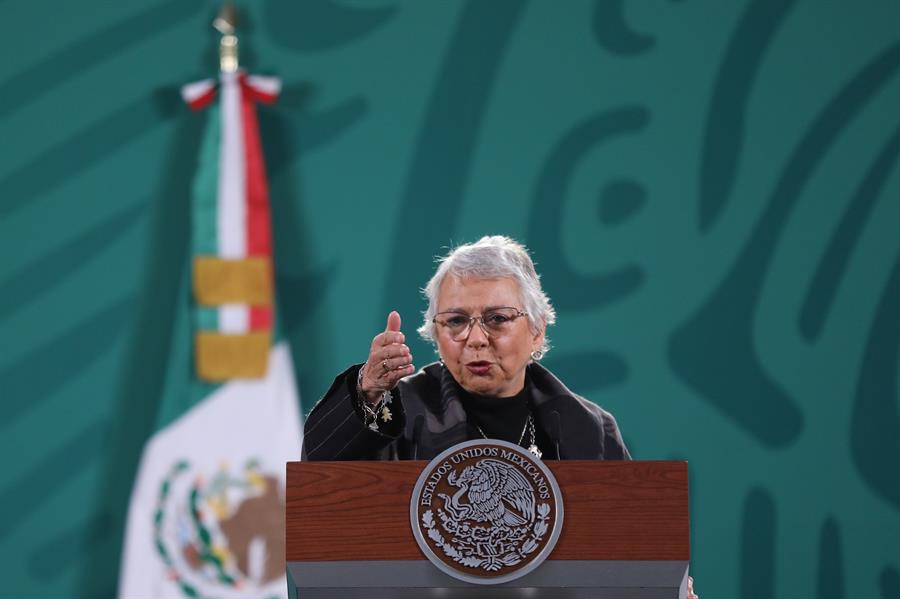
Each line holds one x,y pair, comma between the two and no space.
398,361
389,358
384,376
386,338
392,332
393,351
392,376
393,322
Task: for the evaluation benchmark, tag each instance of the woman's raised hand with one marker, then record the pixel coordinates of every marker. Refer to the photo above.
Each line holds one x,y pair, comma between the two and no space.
389,361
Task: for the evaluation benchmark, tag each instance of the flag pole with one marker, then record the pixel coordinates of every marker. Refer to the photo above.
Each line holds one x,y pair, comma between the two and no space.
226,24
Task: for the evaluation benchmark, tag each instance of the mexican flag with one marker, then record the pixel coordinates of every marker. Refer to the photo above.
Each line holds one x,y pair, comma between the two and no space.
206,517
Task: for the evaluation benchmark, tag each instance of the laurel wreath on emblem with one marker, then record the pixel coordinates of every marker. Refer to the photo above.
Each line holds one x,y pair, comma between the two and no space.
158,519
466,552
203,537
497,527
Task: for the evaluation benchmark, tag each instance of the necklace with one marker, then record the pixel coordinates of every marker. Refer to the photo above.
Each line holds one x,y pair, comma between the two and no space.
529,426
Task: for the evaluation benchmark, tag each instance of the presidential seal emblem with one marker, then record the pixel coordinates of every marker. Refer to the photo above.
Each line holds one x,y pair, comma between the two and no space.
221,535
486,511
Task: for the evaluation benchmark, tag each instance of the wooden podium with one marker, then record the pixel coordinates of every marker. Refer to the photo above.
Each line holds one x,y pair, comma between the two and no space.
625,534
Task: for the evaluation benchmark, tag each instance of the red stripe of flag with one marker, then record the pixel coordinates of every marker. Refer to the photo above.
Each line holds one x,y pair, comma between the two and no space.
259,234
203,100
259,95
261,318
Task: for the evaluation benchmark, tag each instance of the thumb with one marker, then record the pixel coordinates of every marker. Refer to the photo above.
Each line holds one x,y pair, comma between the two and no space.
393,321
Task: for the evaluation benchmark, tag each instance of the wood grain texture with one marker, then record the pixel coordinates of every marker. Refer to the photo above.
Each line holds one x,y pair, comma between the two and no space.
613,510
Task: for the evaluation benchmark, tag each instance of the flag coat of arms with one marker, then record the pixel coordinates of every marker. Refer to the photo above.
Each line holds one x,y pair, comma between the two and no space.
206,517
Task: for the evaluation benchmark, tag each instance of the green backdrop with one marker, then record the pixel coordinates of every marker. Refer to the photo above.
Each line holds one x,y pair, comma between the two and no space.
710,189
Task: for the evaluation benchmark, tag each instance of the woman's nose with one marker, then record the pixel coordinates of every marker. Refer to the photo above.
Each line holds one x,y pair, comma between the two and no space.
477,336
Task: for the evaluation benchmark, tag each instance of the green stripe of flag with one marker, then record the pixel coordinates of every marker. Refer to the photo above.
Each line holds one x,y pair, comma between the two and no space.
205,189
206,319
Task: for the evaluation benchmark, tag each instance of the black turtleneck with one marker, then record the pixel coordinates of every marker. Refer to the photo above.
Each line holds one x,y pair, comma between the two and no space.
499,417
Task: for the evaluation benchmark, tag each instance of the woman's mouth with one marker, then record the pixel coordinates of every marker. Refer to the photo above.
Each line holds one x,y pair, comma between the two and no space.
479,367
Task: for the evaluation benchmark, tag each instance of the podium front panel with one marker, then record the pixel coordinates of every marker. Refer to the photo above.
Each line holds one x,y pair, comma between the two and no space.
626,533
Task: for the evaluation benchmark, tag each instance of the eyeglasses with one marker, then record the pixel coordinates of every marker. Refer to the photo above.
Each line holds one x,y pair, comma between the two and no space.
496,322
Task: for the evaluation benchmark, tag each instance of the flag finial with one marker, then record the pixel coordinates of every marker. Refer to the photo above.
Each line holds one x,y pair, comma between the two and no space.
225,23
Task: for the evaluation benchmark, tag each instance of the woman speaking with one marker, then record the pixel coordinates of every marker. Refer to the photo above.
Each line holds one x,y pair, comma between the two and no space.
487,315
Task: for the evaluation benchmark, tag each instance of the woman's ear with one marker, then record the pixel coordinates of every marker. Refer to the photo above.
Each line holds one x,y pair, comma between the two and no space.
538,339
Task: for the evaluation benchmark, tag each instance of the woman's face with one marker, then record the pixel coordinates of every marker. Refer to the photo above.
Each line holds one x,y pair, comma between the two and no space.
487,365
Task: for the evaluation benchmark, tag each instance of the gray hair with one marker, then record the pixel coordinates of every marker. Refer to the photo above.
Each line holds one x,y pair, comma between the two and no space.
493,257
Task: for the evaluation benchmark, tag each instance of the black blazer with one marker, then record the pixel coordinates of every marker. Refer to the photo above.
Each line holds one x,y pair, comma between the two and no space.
428,417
